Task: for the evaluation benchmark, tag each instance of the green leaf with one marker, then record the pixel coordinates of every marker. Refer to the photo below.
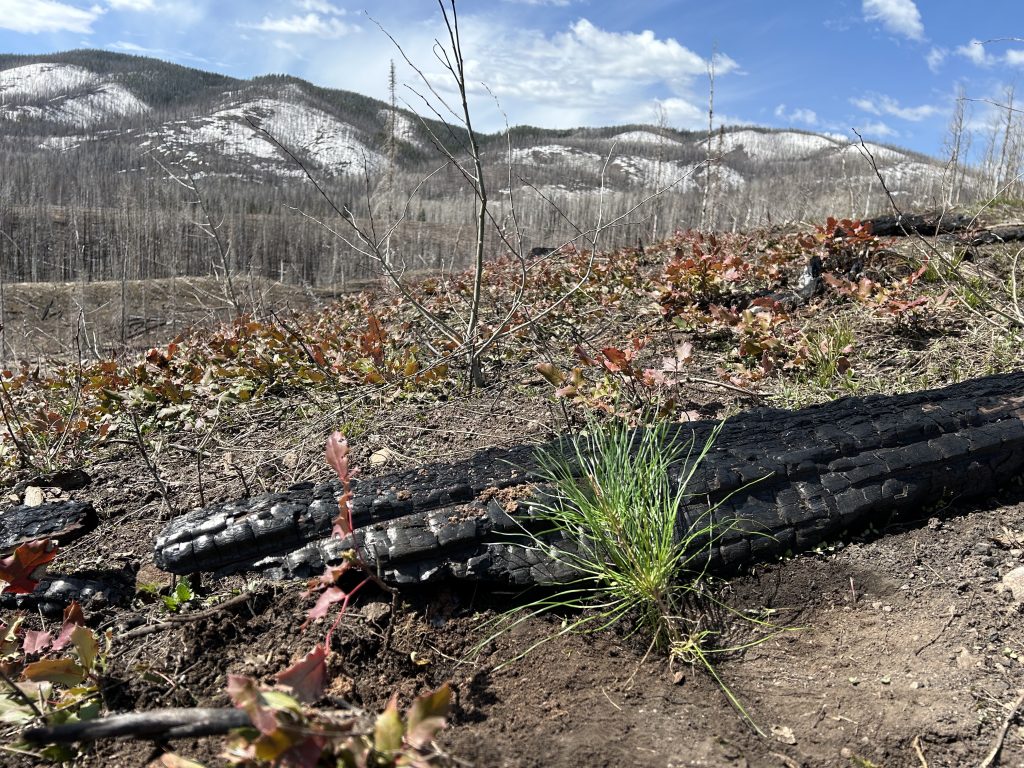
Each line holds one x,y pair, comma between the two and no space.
430,705
62,671
388,732
86,646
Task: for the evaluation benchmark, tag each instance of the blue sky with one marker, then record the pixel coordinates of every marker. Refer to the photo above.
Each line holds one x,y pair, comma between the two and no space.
889,68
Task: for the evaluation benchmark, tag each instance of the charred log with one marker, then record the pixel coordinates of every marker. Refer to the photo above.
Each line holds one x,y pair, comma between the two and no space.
924,224
774,482
64,521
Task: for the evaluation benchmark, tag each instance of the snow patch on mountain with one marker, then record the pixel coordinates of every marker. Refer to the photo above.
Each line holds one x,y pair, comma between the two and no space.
776,145
328,142
44,80
911,173
310,133
556,154
405,128
643,137
649,171
64,94
880,153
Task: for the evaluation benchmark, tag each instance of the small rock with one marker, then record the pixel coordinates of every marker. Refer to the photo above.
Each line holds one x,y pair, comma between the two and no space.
34,496
375,612
784,734
381,457
964,659
1013,581
290,460
982,548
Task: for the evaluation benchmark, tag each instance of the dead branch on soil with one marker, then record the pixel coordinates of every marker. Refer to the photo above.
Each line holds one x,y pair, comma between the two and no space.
177,621
997,746
158,723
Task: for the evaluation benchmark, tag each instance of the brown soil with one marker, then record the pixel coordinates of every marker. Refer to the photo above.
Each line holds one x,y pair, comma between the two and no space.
900,649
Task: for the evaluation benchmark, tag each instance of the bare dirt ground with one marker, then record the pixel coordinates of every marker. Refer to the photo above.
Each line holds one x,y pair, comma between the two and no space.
902,647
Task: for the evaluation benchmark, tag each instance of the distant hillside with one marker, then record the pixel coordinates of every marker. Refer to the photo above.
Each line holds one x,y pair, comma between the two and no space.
90,138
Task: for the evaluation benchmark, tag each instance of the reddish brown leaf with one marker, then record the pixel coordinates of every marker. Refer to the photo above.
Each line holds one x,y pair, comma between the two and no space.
327,598
615,359
245,694
36,641
337,454
23,570
307,676
73,617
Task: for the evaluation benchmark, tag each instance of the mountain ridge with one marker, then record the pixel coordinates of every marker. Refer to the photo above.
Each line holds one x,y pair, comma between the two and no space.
107,136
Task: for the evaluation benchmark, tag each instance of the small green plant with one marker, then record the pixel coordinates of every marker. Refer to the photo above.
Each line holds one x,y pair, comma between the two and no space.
826,354
182,594
612,517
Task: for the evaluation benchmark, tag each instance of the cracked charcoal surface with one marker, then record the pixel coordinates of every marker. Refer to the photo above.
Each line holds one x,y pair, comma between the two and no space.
65,521
785,481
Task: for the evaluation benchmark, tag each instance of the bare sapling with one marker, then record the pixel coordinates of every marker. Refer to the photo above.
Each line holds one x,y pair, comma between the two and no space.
472,328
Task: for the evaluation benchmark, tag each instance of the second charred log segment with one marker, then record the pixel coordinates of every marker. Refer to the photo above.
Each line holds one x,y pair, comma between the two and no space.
925,224
774,482
1006,233
966,229
64,521
94,589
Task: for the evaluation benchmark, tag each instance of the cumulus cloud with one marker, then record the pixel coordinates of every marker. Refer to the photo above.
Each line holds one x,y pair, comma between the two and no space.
320,6
132,5
935,58
900,17
877,128
975,53
1015,57
310,24
587,67
36,16
886,105
798,115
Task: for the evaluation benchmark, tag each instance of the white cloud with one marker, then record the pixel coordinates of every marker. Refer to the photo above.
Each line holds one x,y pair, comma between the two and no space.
122,45
321,6
578,74
132,5
560,3
935,58
35,16
586,66
877,128
797,115
310,24
900,17
1015,57
886,105
975,52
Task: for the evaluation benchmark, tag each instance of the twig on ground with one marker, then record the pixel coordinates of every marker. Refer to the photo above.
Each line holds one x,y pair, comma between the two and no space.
167,723
724,385
997,746
141,445
952,615
919,751
176,621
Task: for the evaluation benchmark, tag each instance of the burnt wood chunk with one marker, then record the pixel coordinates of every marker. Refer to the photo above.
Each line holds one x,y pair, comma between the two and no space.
925,224
774,482
64,521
